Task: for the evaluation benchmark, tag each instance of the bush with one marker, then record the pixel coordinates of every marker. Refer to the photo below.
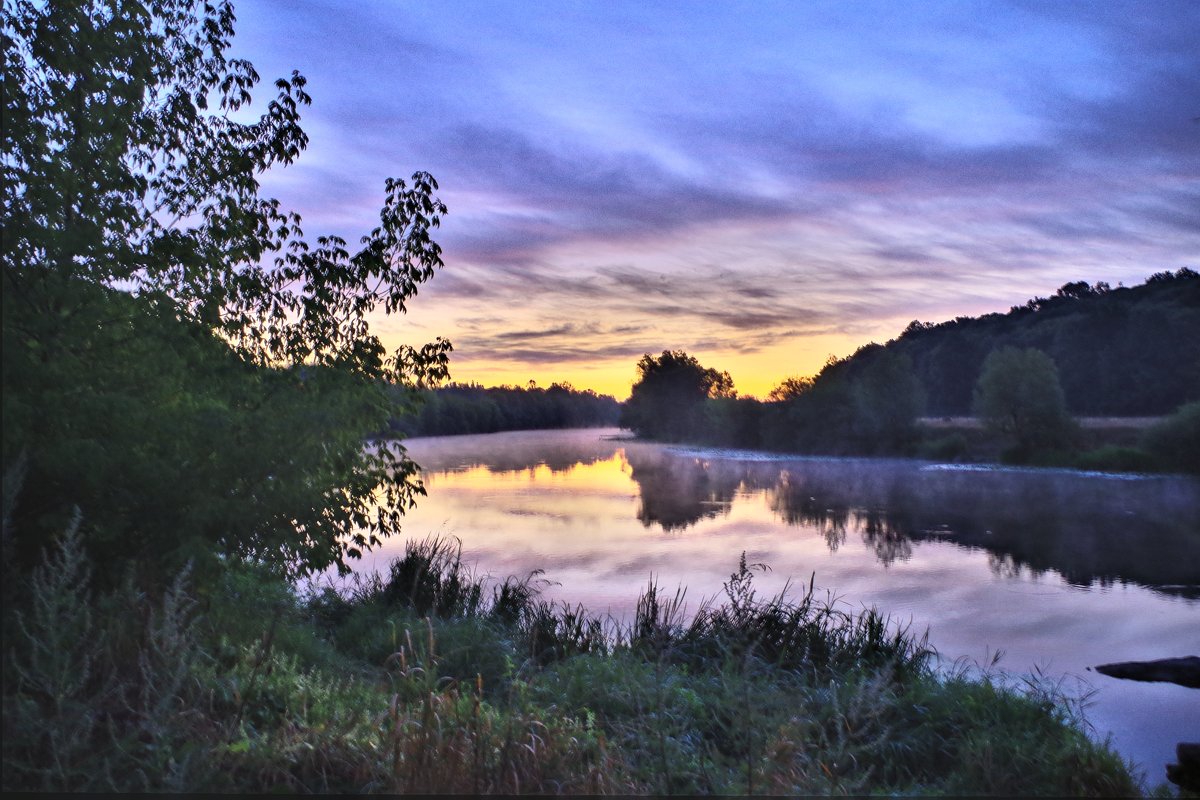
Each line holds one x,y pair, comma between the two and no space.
950,447
1114,458
98,690
1176,439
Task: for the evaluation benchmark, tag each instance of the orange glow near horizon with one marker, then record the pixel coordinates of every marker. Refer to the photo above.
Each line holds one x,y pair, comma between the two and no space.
754,374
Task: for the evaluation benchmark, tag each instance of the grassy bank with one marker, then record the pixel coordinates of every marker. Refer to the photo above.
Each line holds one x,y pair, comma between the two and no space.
1111,444
431,679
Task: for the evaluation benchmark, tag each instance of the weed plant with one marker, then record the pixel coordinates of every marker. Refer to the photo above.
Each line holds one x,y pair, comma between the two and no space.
433,679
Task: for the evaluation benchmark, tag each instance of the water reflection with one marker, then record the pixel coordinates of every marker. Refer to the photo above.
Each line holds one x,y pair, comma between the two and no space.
1059,570
676,493
885,537
1090,529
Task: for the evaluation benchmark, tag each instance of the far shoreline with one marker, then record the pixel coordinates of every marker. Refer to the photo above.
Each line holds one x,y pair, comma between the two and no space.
966,462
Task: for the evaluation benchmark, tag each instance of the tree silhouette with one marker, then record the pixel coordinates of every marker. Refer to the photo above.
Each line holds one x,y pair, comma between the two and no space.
790,388
667,400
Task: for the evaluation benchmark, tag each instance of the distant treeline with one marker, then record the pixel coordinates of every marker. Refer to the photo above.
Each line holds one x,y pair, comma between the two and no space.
1090,350
865,407
470,408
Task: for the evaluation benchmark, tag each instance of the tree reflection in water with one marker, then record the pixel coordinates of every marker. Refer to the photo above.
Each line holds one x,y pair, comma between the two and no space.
1002,565
677,493
885,536
794,507
1090,529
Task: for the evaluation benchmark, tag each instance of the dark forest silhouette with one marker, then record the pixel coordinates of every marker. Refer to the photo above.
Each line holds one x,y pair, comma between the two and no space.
470,408
1128,351
1089,350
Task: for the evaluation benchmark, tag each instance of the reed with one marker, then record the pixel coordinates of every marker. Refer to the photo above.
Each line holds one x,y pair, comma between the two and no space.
434,679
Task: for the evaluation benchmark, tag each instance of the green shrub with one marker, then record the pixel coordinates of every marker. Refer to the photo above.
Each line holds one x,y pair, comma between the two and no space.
1114,458
99,691
1176,439
1018,395
950,447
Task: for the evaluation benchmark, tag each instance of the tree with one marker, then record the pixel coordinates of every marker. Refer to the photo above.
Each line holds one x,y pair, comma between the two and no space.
887,399
1018,395
159,311
790,389
667,400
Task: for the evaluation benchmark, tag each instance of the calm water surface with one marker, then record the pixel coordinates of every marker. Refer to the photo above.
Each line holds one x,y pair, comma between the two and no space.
1058,570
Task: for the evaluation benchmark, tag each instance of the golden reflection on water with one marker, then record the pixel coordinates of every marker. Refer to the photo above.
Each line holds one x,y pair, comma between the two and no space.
609,476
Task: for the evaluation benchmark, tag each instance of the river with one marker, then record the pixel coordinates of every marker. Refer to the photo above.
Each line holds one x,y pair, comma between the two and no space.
1057,570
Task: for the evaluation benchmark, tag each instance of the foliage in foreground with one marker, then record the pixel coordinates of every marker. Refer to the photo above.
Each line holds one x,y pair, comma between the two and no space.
430,679
156,302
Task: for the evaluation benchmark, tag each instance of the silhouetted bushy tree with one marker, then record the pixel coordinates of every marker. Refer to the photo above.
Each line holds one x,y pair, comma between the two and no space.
667,401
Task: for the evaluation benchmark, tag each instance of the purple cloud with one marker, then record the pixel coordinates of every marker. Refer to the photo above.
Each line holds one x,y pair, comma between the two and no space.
624,178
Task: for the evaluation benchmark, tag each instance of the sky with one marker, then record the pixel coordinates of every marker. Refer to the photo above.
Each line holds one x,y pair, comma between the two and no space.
761,184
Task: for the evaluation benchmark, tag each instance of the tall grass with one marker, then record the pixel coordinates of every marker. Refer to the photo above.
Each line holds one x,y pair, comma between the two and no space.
96,689
434,679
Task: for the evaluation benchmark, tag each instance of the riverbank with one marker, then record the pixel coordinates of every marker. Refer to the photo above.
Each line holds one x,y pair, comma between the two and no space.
1161,444
1061,569
432,679
1166,444
1113,444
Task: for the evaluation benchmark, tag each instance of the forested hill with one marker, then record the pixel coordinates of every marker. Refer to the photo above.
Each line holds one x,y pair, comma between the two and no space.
1120,352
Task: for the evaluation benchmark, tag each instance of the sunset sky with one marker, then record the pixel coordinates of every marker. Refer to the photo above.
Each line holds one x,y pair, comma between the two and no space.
760,184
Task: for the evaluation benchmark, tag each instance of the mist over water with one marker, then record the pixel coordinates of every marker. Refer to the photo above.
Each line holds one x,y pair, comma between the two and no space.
1059,570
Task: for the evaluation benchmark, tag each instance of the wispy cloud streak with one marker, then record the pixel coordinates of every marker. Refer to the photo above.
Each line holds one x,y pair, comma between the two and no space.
746,179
